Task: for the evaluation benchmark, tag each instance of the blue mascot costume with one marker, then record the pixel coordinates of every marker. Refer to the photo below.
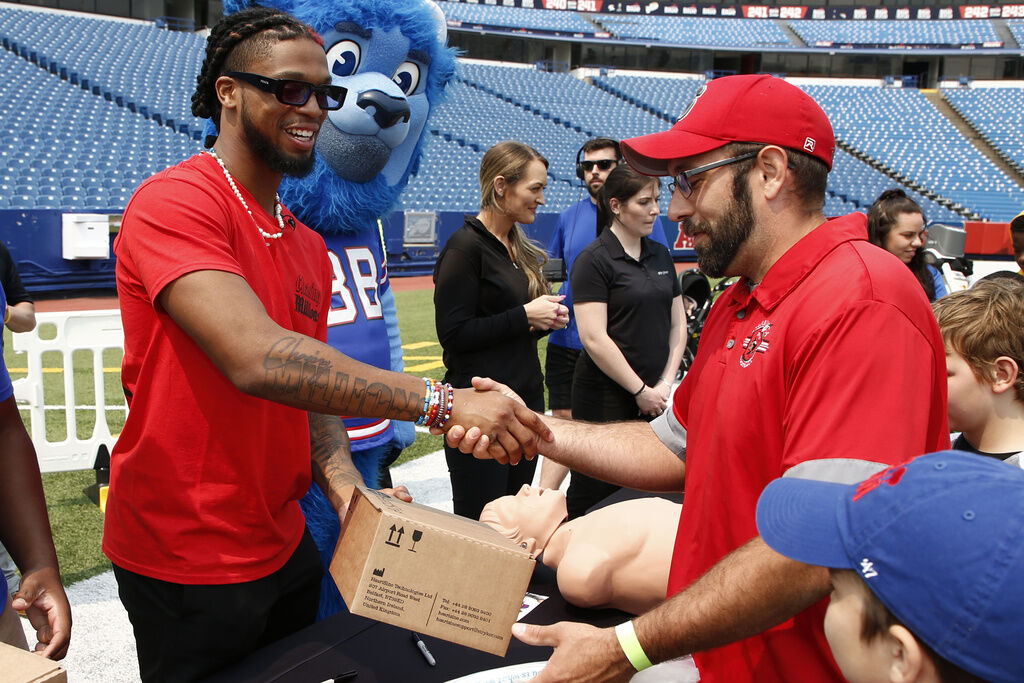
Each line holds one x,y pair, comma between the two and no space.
392,58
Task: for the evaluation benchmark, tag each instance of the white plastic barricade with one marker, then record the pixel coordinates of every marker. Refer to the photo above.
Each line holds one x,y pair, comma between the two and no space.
91,331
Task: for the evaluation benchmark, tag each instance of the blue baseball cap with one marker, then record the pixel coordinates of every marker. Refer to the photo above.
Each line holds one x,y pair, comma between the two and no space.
939,540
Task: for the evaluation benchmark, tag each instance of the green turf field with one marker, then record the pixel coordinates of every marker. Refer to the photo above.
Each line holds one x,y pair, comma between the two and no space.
77,523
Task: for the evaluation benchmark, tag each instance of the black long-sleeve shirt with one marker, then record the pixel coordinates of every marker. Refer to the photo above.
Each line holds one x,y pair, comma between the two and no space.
478,310
13,288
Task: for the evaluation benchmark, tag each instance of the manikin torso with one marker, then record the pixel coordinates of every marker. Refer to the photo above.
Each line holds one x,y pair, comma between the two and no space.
617,556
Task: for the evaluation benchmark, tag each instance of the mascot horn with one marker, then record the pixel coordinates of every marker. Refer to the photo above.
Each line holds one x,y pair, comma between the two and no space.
392,58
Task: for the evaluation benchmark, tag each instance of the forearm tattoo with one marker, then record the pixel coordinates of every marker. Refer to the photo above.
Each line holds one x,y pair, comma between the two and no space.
299,367
331,454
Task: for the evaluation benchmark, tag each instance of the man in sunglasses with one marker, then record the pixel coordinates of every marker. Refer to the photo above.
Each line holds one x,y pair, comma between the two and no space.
823,361
576,228
234,396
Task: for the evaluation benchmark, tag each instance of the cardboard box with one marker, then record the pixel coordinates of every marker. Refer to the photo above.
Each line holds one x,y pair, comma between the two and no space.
430,571
21,666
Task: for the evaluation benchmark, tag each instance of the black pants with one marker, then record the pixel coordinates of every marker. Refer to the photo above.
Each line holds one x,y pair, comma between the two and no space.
595,398
558,370
477,482
187,632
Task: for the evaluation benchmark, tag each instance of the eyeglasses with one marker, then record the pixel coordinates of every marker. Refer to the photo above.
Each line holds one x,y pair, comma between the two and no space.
681,179
603,164
295,93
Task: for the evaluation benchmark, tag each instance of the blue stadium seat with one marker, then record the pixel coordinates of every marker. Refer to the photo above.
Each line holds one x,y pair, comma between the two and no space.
65,139
995,113
951,33
23,201
691,31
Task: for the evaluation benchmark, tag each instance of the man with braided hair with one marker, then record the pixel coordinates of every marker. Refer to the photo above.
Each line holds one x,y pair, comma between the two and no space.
233,394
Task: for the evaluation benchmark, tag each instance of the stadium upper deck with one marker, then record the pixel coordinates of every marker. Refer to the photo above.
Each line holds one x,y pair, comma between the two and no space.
90,125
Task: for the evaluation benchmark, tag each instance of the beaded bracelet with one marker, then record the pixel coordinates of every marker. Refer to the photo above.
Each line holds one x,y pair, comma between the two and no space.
427,393
445,407
426,401
438,401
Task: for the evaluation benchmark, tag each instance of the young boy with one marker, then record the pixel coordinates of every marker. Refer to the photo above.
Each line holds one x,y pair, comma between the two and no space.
25,531
926,561
982,328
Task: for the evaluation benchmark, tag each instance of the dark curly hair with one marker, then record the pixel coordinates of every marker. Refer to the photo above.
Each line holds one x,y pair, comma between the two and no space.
235,42
883,215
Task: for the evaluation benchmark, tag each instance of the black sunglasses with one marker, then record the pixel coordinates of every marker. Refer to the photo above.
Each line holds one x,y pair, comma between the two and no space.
295,93
681,179
603,164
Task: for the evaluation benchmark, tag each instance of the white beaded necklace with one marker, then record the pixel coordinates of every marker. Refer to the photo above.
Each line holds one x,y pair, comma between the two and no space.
277,202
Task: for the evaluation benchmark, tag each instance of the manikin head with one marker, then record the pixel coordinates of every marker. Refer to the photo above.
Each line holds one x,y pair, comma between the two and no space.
529,518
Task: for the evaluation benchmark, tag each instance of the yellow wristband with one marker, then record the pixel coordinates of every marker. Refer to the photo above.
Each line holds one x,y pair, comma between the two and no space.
7,315
631,646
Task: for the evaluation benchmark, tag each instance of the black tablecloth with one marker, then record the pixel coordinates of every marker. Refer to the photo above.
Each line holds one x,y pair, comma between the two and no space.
386,654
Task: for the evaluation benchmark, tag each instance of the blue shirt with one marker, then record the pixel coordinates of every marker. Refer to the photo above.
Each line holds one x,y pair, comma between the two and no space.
939,282
357,324
576,228
6,391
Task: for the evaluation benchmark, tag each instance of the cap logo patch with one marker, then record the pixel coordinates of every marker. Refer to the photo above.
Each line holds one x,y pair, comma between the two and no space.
867,569
891,476
696,97
809,144
756,343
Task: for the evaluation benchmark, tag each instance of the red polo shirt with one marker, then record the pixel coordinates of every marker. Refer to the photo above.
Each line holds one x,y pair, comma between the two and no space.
836,354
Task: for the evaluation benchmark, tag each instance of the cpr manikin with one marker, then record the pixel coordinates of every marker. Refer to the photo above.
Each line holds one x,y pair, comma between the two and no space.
617,556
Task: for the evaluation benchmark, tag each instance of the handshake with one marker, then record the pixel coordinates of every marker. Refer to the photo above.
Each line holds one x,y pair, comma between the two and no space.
490,421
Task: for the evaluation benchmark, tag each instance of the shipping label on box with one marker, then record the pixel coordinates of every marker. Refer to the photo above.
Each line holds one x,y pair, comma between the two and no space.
21,666
430,571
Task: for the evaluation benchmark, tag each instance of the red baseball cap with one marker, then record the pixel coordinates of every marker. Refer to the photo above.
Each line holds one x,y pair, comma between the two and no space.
748,108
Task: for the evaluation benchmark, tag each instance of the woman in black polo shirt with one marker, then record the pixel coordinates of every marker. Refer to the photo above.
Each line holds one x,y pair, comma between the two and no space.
491,303
630,315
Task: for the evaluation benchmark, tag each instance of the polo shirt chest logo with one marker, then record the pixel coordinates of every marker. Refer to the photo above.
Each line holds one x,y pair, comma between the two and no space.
756,343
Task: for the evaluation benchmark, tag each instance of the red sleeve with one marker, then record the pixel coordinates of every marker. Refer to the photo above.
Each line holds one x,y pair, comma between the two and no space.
866,385
712,331
327,278
174,227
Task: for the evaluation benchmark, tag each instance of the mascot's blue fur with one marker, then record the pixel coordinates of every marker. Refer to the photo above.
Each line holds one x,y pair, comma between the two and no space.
392,58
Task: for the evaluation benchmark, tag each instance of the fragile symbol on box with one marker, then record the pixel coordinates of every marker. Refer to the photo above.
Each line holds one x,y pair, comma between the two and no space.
395,537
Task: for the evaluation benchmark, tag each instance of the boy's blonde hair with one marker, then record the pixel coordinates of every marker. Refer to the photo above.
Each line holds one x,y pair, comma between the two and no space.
985,322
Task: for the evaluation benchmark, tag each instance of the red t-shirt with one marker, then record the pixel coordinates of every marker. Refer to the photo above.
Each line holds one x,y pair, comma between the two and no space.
836,354
205,480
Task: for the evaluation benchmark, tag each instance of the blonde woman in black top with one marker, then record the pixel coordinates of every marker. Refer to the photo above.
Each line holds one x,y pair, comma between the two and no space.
491,304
